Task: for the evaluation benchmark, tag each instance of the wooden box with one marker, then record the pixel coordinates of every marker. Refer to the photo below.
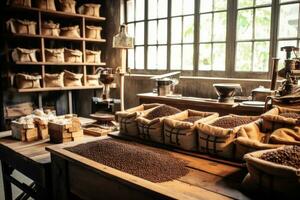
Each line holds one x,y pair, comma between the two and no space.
24,132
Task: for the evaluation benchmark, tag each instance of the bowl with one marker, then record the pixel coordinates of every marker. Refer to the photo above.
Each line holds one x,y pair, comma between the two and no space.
226,91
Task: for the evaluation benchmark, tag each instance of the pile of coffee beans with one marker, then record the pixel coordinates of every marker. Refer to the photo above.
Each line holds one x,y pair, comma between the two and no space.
192,119
146,162
288,156
162,111
233,121
290,115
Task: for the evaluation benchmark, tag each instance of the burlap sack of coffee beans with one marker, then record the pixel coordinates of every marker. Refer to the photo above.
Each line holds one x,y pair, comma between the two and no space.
274,173
71,79
73,56
67,6
93,56
93,32
24,55
55,55
90,9
180,131
286,136
50,28
26,81
280,117
54,80
151,125
217,136
21,26
46,4
92,79
25,3
127,118
71,31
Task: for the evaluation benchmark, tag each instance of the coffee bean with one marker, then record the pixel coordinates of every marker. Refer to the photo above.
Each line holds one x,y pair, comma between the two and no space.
233,121
162,111
146,162
192,119
290,115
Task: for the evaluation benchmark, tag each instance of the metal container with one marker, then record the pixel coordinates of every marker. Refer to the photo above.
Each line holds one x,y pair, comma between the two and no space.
261,93
164,87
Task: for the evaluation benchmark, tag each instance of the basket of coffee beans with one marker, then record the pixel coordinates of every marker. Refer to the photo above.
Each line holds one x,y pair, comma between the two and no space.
127,118
180,130
150,125
216,137
280,117
275,172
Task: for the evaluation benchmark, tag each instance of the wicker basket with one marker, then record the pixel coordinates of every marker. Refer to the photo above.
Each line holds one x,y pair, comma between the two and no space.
46,4
54,55
25,3
93,32
21,26
90,9
50,29
93,56
54,80
71,79
92,80
24,55
67,6
25,81
73,56
71,31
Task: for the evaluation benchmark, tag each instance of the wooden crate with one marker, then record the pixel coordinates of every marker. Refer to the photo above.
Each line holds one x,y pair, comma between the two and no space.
24,132
95,130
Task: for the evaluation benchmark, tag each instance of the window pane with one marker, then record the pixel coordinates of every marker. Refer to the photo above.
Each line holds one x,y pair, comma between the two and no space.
206,5
130,11
139,9
282,54
188,29
152,35
162,31
219,57
130,30
176,30
162,8
139,57
220,5
261,57
219,26
162,57
205,27
263,2
187,58
244,24
205,57
283,1
176,7
152,9
262,23
130,58
139,33
243,56
152,57
289,16
175,57
245,3
188,7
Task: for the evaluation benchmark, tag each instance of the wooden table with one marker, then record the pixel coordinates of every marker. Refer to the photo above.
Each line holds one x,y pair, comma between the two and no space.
202,104
87,179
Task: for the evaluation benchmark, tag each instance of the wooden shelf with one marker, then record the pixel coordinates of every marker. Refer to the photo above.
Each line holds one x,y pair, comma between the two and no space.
60,64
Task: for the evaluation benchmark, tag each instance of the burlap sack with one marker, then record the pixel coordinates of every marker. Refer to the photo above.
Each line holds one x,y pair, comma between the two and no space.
54,80
92,80
55,55
73,56
250,138
25,81
269,178
71,79
25,3
127,118
182,134
50,29
93,32
93,56
90,9
21,26
71,31
24,55
42,128
67,6
286,136
272,119
46,4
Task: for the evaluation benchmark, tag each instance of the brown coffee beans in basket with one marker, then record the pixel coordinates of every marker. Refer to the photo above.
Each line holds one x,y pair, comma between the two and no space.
192,119
231,122
162,111
290,115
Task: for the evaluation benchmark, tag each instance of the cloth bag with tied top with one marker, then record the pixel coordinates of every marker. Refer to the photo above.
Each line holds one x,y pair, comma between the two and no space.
24,55
21,26
55,55
73,56
93,32
54,80
67,6
90,9
25,81
46,4
92,80
71,31
71,79
50,29
93,56
25,3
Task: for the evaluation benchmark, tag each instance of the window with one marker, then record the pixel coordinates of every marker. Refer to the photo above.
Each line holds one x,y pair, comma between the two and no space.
211,37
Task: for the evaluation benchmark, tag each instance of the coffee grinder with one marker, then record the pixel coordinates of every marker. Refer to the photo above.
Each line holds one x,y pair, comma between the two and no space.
106,77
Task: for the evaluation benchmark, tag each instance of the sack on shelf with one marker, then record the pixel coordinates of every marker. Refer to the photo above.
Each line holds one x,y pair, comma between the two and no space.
54,55
50,29
93,56
71,31
25,3
21,26
90,9
54,80
73,56
46,4
93,32
25,81
71,79
180,131
24,55
92,80
67,6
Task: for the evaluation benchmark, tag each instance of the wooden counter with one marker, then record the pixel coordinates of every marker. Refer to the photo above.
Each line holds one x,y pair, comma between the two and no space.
202,104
